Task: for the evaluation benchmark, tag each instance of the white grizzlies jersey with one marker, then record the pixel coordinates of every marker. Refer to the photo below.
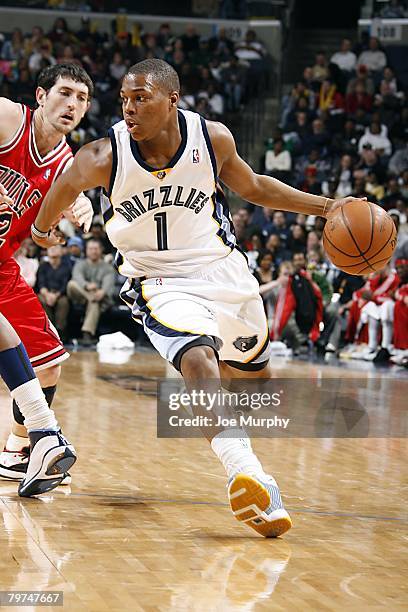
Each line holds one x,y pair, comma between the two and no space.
168,222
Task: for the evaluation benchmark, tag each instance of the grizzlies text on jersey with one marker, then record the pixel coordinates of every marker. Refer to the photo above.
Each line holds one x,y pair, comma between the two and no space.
171,221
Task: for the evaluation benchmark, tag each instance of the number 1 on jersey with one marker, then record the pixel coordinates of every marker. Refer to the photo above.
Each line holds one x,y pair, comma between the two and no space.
161,228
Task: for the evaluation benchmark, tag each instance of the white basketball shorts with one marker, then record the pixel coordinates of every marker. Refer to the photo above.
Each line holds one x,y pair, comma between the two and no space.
218,306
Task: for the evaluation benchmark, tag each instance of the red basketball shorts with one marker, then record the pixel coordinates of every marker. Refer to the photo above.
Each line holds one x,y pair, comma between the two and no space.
21,307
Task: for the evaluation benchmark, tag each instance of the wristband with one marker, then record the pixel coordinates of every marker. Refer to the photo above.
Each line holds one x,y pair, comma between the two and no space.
38,233
325,206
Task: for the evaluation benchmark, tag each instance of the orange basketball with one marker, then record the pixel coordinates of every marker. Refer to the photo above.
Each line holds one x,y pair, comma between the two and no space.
359,237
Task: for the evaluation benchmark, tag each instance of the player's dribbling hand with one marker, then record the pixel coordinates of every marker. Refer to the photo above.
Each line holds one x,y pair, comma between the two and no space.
5,201
337,203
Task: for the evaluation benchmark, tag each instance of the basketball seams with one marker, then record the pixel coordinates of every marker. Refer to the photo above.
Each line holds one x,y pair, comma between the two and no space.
325,237
346,224
371,256
361,263
372,226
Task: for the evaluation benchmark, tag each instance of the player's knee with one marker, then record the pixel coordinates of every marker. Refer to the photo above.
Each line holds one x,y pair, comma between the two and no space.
199,362
8,337
49,377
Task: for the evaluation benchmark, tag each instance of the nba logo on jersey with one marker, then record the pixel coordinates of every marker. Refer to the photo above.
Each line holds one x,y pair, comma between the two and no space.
161,174
47,174
196,156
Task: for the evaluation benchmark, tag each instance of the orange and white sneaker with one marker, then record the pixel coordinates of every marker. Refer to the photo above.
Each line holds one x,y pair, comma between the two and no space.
258,503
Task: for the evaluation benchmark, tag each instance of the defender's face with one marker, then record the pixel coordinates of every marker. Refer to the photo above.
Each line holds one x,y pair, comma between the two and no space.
145,106
64,104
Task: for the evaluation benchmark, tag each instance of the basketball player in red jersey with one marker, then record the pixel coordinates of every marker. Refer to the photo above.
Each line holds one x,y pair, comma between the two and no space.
33,153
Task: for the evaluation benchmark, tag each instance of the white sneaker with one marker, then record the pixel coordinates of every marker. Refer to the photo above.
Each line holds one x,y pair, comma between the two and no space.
363,354
258,504
50,458
13,466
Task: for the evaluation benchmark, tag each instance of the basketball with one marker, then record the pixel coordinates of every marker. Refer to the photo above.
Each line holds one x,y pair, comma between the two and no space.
359,237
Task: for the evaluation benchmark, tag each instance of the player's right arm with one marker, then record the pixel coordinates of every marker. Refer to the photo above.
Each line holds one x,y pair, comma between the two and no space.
10,120
92,167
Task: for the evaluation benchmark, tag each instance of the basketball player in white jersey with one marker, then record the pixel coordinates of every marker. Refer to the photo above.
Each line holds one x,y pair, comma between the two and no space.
188,283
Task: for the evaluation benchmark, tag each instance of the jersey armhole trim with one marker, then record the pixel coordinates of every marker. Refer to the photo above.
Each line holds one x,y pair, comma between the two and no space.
209,147
112,137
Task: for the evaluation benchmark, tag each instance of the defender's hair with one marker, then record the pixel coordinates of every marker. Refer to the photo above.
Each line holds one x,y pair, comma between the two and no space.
162,73
49,76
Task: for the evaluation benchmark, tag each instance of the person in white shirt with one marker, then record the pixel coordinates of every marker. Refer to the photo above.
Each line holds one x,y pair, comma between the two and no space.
378,141
38,56
28,265
278,160
345,59
374,59
250,48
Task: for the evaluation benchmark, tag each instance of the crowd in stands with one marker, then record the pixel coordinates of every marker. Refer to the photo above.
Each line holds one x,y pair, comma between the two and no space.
343,131
217,76
78,286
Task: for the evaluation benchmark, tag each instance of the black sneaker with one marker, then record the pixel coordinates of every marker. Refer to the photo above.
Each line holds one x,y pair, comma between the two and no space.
383,356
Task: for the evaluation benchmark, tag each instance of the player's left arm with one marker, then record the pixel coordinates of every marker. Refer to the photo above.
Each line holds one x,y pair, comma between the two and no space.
80,213
258,188
92,167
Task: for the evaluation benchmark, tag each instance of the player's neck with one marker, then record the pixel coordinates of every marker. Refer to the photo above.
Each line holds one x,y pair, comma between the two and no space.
46,136
164,144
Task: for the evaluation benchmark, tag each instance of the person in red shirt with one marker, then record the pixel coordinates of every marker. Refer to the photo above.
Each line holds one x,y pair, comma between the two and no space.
373,303
359,98
33,153
401,306
297,290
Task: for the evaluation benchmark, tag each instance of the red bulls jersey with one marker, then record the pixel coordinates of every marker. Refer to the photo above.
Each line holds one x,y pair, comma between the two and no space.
381,288
27,177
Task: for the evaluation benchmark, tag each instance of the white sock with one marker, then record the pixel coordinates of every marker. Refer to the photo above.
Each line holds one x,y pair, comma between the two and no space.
387,331
233,449
33,405
16,443
372,333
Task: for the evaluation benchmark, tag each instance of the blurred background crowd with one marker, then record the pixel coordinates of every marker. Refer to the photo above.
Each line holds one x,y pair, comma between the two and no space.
342,130
217,76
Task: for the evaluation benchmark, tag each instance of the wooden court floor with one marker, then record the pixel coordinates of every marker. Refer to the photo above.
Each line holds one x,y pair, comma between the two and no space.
146,524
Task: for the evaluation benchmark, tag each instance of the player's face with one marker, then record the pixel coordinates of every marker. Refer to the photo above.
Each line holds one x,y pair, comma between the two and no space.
64,104
146,108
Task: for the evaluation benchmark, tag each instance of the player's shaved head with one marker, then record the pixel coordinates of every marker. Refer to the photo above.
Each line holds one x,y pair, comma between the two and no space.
161,73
